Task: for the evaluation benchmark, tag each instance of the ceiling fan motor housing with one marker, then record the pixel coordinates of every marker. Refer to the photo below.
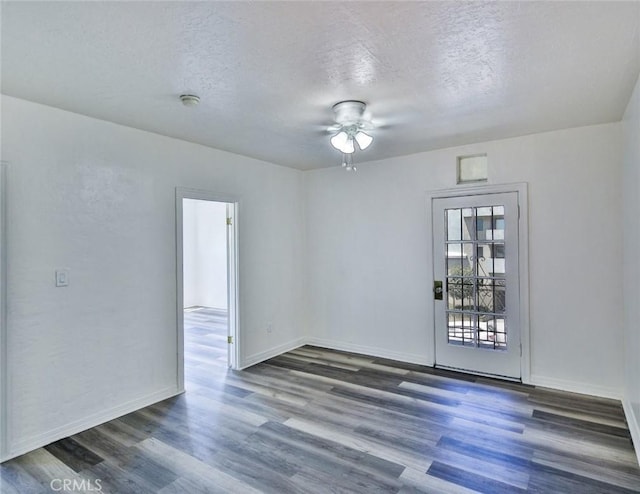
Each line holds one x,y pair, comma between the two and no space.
349,112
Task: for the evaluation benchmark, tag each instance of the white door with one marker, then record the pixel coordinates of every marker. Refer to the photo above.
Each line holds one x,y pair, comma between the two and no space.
232,344
477,308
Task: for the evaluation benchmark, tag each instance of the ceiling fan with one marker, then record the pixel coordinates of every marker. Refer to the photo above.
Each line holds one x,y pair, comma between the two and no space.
348,131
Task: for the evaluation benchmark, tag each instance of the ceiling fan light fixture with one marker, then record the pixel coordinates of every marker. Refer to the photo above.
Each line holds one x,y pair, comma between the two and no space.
363,140
343,142
348,146
339,140
350,119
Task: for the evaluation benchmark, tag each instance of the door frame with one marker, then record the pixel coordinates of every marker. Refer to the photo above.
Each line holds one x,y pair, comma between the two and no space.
4,369
232,273
523,252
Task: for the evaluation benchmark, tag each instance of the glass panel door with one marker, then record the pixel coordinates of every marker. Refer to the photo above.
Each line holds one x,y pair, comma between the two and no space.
476,257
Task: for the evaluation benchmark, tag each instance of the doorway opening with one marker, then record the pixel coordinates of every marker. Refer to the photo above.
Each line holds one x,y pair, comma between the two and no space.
207,286
4,408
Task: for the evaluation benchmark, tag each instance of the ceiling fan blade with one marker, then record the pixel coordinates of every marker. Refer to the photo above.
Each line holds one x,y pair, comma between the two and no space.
366,125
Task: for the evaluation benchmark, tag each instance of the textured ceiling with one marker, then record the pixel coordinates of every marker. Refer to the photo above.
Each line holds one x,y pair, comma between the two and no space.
434,74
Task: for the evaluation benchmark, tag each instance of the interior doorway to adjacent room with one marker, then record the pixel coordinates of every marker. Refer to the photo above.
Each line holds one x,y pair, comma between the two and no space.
207,267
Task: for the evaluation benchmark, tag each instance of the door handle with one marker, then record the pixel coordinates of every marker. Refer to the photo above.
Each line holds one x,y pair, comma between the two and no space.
437,290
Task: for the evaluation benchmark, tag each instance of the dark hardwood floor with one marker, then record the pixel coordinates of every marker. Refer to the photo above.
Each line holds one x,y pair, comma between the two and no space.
320,421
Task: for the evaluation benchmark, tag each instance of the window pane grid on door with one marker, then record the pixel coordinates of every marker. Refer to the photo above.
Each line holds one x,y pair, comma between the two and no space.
462,329
488,258
475,284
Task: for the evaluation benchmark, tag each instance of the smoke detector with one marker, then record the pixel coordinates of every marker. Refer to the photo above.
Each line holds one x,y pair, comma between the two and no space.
189,99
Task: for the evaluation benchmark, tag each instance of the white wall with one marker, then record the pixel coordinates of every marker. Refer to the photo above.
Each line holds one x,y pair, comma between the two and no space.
369,274
204,234
631,218
99,199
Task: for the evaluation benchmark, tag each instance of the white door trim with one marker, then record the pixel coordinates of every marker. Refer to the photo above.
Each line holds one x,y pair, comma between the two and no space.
523,251
4,408
232,283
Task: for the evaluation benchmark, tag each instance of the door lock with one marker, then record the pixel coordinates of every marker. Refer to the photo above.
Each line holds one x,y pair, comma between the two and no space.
437,290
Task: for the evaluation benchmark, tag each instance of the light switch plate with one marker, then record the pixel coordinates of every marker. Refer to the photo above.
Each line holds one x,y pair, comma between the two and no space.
62,277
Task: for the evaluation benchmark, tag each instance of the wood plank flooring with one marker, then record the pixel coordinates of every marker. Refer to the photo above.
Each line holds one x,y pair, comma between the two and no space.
321,421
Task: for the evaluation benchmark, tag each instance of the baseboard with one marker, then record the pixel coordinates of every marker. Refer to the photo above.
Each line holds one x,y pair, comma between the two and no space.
85,423
576,387
272,352
412,358
633,423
